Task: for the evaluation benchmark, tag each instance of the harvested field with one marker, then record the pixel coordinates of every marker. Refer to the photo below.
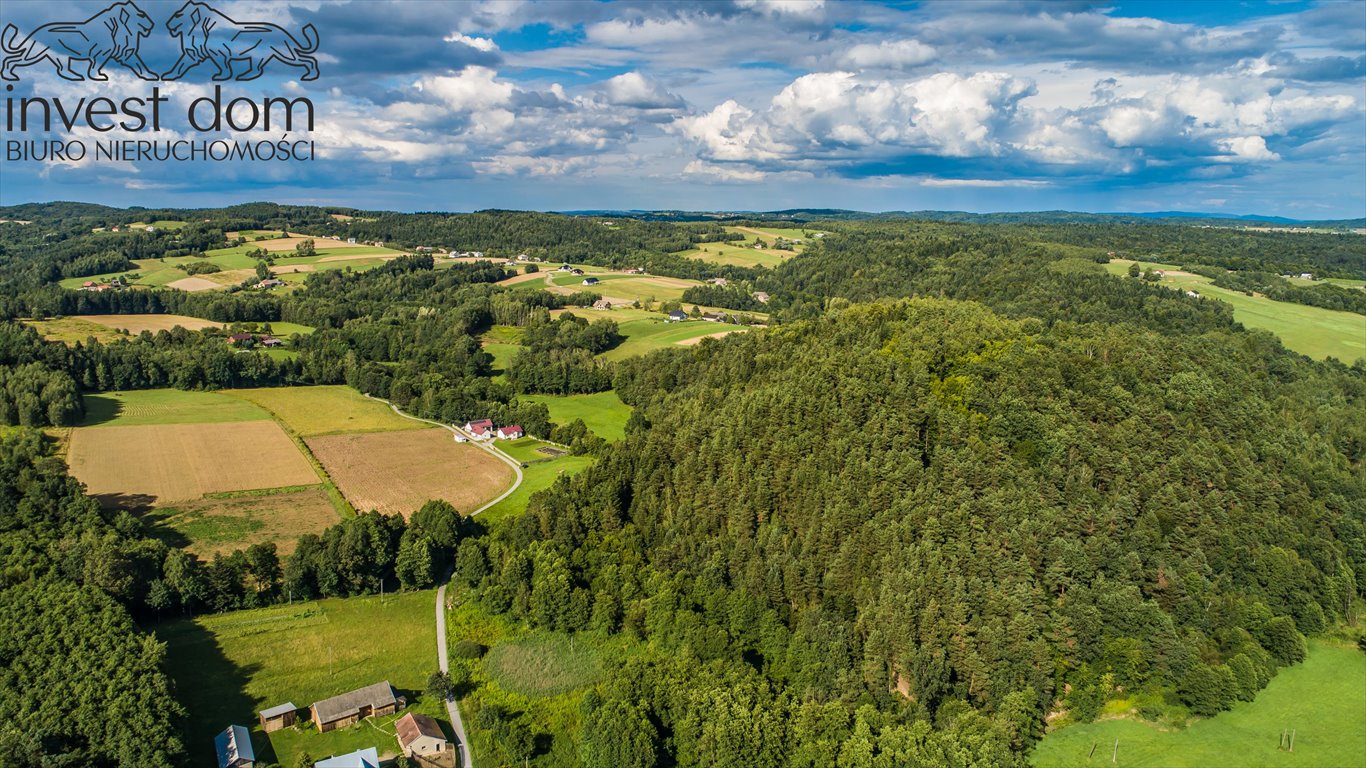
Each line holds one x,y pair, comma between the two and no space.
698,339
138,323
143,465
225,522
193,284
525,277
398,472
288,268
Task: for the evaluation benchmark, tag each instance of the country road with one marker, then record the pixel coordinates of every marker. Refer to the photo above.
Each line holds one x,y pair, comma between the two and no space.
452,708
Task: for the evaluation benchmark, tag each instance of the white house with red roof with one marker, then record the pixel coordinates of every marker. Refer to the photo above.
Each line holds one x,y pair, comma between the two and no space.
511,432
481,429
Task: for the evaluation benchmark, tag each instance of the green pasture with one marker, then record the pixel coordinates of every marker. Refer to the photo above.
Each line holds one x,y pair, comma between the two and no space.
166,406
226,667
1323,700
1312,331
603,412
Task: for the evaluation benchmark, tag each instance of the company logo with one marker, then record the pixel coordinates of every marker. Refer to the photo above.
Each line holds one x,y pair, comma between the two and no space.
114,34
104,126
236,50
209,35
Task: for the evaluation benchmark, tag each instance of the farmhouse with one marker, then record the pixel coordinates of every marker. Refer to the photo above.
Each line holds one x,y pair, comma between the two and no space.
271,341
270,282
472,426
602,304
419,735
510,433
714,317
565,268
234,748
760,297
721,281
238,338
282,716
590,281
361,758
677,316
349,708
576,271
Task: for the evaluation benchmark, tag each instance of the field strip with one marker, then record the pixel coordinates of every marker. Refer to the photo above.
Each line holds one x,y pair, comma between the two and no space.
452,708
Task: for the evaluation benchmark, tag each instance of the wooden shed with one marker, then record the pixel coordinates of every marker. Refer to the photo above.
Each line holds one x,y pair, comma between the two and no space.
278,717
351,707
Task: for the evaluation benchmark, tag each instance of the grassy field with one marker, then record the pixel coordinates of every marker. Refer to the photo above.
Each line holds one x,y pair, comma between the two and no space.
325,410
227,667
535,477
70,330
542,675
627,287
1323,699
738,254
502,355
398,472
647,331
237,266
223,522
166,406
1312,331
604,413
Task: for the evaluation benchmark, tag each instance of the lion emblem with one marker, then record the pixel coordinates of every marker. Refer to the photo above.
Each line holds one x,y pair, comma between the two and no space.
113,34
207,35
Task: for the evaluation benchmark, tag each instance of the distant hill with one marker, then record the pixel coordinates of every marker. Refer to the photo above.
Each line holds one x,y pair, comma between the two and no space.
1022,217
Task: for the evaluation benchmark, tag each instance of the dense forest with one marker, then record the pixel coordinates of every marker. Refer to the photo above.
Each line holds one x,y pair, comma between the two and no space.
906,531
965,479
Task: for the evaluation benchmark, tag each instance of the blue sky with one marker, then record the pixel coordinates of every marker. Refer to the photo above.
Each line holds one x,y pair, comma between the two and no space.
1235,107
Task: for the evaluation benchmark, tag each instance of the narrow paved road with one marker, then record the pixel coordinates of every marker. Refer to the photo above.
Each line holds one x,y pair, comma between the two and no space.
452,708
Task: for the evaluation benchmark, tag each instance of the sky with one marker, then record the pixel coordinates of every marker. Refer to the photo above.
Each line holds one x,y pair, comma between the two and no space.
1224,107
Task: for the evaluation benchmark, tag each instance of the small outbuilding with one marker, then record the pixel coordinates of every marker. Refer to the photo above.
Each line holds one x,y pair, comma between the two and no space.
419,735
277,717
234,748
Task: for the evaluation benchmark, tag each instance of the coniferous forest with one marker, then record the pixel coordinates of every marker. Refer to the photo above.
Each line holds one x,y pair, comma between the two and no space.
960,482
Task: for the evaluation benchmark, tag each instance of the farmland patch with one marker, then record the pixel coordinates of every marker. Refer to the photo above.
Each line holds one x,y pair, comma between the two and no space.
398,472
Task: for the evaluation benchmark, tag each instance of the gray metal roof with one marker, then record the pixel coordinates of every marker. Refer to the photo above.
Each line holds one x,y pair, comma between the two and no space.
278,710
233,745
378,695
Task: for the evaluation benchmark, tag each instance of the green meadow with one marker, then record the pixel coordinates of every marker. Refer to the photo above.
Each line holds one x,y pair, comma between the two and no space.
648,331
1323,700
536,476
166,406
603,412
227,667
1312,331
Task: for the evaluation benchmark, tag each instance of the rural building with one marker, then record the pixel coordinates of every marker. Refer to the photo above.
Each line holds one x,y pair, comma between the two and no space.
1193,294
270,282
590,281
636,271
721,281
510,433
278,717
419,735
471,426
602,304
1306,275
566,268
522,257
351,707
677,316
238,338
351,240
576,271
714,317
271,341
234,748
760,297
361,758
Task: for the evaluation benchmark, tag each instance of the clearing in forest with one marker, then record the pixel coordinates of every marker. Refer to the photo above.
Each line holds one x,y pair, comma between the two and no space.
398,472
224,522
